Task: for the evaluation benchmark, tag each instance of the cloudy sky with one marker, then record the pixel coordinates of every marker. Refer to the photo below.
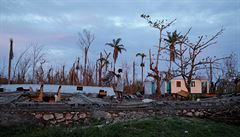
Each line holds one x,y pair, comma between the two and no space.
56,23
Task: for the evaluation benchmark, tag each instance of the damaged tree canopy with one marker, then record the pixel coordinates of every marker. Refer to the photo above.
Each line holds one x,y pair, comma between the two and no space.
184,53
188,62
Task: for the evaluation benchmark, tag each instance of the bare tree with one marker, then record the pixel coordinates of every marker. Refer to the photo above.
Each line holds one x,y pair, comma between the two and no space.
18,61
37,57
212,69
161,25
230,78
188,53
231,67
23,68
85,40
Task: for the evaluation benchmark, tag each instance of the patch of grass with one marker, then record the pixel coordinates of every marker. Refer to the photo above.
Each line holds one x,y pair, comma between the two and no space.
150,127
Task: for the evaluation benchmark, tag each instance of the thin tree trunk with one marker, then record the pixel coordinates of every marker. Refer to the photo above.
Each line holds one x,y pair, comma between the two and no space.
156,67
10,61
114,77
96,73
142,75
133,72
9,71
100,70
85,66
100,76
142,70
211,73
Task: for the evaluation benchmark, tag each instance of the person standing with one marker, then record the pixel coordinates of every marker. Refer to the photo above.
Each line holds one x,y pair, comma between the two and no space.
120,85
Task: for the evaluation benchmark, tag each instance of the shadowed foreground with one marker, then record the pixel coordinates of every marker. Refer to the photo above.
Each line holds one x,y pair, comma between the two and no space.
150,127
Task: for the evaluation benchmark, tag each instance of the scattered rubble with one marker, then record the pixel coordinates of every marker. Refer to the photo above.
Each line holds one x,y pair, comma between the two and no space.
81,109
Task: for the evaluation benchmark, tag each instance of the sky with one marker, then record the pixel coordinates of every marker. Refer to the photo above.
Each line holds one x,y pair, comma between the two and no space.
55,24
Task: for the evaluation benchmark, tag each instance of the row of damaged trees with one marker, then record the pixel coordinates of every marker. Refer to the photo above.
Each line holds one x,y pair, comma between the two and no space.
31,66
31,60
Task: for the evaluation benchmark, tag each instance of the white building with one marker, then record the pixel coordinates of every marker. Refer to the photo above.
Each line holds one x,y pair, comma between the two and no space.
175,85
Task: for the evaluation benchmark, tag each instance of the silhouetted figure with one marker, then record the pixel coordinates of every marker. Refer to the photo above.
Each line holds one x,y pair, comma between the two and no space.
120,85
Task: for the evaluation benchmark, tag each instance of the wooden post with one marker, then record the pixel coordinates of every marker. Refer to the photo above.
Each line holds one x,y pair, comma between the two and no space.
10,60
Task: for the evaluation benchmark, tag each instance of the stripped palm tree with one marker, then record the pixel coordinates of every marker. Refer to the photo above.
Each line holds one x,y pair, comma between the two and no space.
142,55
117,48
173,39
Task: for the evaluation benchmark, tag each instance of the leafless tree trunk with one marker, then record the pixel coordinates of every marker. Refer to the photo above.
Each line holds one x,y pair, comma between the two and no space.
78,68
96,74
50,76
85,40
107,54
101,65
134,73
62,80
10,60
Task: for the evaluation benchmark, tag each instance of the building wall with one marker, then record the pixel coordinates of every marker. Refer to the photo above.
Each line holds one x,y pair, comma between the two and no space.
196,89
64,89
148,88
174,89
